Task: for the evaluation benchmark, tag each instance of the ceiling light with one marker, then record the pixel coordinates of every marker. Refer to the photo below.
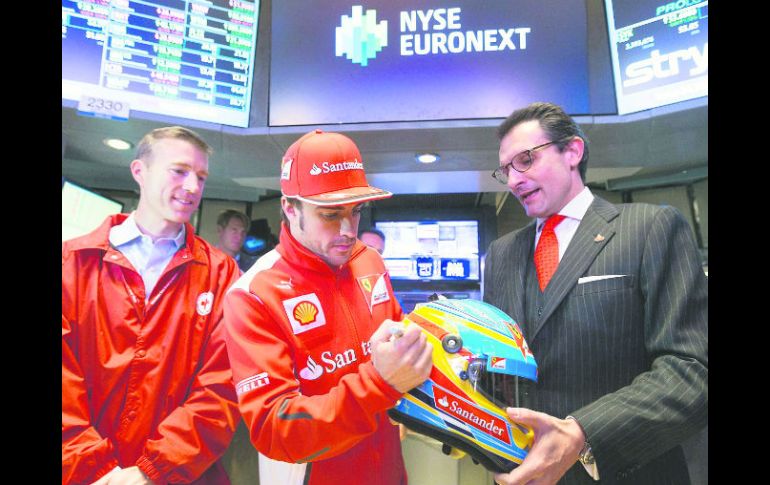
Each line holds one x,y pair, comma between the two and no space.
117,143
427,157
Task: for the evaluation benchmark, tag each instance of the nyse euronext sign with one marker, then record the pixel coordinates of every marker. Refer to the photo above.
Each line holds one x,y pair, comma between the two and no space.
360,37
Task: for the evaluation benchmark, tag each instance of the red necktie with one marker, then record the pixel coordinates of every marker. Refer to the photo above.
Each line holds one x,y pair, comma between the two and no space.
547,251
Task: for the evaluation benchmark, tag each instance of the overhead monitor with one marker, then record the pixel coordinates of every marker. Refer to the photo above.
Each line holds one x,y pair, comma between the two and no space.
659,52
384,60
190,59
82,210
438,250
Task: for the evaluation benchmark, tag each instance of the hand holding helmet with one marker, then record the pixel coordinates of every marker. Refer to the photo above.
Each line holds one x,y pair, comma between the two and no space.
404,361
555,450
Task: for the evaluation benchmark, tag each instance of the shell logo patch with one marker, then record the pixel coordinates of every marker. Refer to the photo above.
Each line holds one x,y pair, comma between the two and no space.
304,313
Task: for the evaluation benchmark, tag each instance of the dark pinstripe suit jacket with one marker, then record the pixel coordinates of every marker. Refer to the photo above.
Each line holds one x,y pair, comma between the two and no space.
627,356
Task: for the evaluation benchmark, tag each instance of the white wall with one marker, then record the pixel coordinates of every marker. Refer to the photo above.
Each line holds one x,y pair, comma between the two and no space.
673,196
129,199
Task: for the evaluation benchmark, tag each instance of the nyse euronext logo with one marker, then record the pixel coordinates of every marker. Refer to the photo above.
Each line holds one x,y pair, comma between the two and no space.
360,37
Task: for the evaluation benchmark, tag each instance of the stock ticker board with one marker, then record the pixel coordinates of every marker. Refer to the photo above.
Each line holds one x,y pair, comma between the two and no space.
190,59
659,51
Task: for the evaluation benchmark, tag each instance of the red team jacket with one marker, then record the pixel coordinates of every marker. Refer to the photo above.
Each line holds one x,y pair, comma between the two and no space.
144,384
297,336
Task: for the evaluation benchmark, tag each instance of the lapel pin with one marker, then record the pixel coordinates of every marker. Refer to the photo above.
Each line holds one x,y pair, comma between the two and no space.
599,238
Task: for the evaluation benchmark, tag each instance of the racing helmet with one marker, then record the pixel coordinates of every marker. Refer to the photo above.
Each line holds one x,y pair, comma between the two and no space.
481,363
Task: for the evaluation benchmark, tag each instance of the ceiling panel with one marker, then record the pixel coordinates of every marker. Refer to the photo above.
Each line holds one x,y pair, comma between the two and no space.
245,163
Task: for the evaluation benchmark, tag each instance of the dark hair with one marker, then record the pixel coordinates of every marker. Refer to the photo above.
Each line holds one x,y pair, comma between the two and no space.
557,124
144,149
293,201
372,230
224,218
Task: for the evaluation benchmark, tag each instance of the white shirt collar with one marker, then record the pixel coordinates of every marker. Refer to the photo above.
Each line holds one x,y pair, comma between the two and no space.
128,231
575,209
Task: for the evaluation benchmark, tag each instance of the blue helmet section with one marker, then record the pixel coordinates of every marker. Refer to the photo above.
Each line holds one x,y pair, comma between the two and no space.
502,356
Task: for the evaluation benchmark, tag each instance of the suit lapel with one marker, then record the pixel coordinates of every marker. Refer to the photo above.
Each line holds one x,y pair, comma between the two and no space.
521,250
593,233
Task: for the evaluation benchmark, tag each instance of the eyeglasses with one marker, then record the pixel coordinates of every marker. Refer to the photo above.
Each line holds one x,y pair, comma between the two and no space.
521,162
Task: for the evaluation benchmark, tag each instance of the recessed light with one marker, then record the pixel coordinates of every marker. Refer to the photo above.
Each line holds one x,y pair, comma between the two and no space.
117,143
427,157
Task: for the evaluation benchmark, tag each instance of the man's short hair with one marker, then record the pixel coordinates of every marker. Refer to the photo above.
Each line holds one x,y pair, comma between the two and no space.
144,149
224,218
372,230
555,123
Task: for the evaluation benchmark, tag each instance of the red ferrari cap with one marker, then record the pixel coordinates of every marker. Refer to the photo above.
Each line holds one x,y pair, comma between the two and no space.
326,169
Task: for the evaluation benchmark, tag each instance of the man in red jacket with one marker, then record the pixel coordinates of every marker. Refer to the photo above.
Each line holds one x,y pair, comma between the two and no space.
147,394
314,332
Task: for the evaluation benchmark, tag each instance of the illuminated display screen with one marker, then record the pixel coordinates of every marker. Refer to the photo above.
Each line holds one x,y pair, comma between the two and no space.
659,52
434,250
183,58
83,210
385,60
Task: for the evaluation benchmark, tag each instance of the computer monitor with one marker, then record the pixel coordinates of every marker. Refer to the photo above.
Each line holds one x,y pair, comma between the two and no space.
431,250
184,59
82,210
659,52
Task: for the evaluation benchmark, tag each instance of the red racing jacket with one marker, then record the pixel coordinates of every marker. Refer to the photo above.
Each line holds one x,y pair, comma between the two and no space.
297,336
145,383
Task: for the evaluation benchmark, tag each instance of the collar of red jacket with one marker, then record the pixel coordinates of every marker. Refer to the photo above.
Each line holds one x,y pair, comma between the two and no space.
99,238
296,253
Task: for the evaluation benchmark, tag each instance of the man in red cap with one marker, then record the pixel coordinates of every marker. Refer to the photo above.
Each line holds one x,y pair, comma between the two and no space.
313,332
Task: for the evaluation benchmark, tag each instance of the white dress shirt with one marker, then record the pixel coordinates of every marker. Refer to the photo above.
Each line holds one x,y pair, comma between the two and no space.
147,257
574,212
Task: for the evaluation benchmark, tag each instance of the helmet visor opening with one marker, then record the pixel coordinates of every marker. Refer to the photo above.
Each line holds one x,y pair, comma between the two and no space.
502,389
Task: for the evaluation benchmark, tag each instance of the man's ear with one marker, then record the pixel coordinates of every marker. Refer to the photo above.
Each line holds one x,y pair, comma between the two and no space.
138,169
288,208
574,150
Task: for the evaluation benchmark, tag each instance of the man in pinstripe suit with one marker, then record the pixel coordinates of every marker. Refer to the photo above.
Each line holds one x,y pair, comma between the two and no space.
619,331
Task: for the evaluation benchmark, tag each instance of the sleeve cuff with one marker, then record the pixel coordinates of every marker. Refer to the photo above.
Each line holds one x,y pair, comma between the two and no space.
586,457
149,469
389,392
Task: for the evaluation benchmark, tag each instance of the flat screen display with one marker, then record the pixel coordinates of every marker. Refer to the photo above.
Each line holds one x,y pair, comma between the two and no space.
190,59
659,52
82,210
386,60
431,250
